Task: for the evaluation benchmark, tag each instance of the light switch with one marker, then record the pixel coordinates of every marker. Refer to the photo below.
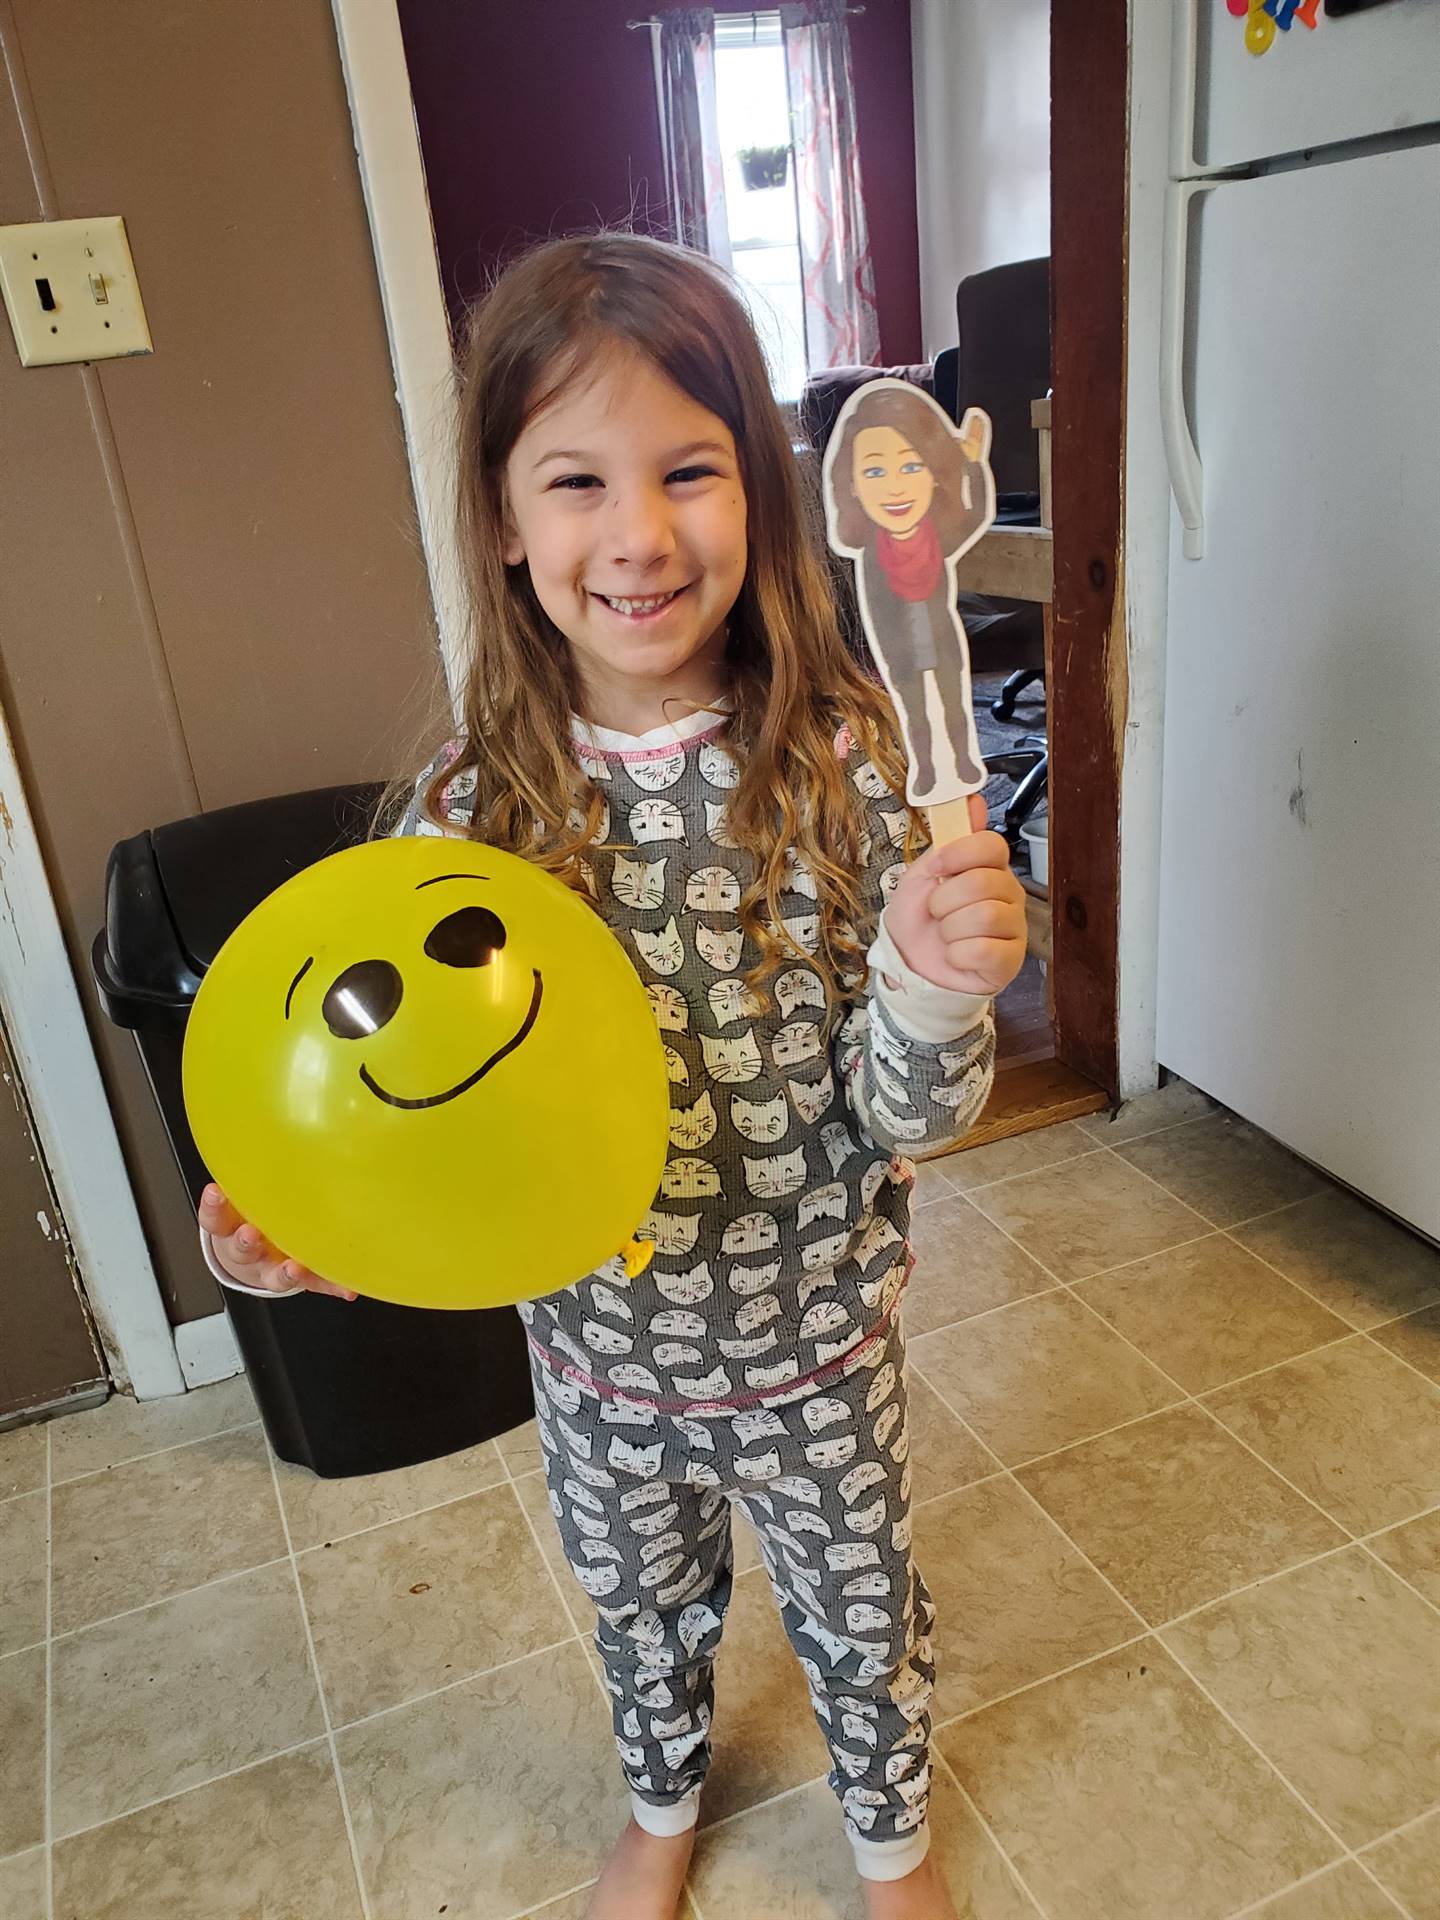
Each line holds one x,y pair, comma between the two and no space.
71,292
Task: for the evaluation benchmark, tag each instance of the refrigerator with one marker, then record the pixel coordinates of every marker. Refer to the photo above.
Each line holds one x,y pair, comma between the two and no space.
1299,901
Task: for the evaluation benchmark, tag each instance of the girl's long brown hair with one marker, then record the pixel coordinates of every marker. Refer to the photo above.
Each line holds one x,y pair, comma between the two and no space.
553,314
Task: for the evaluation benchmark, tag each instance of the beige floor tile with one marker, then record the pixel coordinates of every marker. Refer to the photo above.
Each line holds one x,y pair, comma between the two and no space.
943,1455
1334,1671
1121,1794
266,1842
575,1906
1350,1426
124,1428
765,1736
22,1887
963,1265
319,1510
932,1183
1414,1552
155,1527
520,1449
1014,1601
22,1750
1176,1512
22,1571
1088,1215
1416,1339
170,1697
1025,1153
1345,1892
1039,1375
1409,1865
1210,1312
790,1861
1169,1106
1352,1258
422,1602
22,1457
1224,1168
500,1792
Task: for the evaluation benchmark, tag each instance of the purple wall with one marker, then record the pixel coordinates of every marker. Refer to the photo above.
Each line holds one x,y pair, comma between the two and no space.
539,117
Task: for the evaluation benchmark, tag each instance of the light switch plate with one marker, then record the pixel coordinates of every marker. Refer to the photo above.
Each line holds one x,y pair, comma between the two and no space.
71,292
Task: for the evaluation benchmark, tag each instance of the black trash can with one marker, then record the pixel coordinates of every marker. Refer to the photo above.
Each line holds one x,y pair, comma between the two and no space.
342,1387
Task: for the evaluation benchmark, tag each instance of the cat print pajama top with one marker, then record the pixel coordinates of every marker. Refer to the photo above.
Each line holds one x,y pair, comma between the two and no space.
759,1361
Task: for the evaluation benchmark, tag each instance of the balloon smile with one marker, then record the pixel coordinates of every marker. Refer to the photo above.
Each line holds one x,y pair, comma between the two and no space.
464,1086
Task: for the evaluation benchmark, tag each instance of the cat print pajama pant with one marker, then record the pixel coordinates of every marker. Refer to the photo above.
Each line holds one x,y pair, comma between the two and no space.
643,1500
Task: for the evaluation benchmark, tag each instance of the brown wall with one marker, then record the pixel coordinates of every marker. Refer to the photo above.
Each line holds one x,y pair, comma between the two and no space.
540,118
213,587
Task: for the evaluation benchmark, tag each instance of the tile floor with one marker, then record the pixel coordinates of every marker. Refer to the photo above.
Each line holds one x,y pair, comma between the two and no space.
1178,1465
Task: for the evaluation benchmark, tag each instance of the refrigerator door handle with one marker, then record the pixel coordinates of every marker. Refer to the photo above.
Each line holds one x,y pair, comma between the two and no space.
1187,476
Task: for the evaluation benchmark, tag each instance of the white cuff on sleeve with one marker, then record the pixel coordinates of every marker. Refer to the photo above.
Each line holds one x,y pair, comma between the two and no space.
228,1280
916,1005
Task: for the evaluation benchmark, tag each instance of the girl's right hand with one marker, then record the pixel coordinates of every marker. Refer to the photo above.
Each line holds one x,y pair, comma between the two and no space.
247,1256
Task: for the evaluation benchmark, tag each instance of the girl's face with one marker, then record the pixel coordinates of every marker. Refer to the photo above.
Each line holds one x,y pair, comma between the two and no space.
625,502
892,482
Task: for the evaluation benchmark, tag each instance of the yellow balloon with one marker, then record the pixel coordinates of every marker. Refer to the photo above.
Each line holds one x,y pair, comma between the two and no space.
427,1070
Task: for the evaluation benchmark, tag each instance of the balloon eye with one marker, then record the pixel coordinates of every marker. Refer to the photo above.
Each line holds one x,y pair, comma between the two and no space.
469,937
362,999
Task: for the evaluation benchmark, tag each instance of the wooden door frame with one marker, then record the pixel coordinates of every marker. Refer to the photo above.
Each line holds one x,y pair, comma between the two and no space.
1089,58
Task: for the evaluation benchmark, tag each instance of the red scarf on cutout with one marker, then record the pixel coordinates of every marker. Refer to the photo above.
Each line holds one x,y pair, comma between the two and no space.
914,566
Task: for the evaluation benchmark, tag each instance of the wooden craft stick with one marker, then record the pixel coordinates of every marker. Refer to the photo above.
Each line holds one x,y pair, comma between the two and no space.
950,820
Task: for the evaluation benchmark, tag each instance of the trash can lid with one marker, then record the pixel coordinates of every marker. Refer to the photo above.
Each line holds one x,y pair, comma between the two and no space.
174,895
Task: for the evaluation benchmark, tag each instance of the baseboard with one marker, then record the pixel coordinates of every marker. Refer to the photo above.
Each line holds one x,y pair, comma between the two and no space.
207,1351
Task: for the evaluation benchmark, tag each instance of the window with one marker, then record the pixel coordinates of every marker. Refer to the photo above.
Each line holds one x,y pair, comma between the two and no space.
753,109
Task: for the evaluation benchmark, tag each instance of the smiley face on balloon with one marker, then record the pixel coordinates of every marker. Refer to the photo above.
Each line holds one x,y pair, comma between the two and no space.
428,1071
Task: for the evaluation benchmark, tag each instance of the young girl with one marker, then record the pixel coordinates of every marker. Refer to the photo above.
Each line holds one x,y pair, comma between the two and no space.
660,710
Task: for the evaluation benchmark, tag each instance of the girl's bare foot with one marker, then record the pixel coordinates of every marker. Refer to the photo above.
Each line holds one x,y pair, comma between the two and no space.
920,1895
644,1879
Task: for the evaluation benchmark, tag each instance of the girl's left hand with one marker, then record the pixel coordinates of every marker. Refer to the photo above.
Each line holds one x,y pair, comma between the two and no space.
958,914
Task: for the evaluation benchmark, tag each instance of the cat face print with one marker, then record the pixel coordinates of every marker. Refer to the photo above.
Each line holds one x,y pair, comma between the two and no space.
824,1203
678,1323
689,1179
754,1314
757,1423
749,1349
656,820
824,1320
663,952
638,883
732,1061
823,1412
760,1120
776,1176
803,929
747,1280
896,823
732,1000
796,1042
716,1385
717,767
828,1455
673,1233
601,1339
712,890
797,877
693,1126
821,1254
641,1463
869,780
716,830
654,772
799,988
720,950
685,1289
813,1097
672,1015
592,763
751,1233
838,1144
575,820
676,1070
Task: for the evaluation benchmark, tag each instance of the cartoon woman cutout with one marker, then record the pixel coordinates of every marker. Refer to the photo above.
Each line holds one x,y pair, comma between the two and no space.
906,493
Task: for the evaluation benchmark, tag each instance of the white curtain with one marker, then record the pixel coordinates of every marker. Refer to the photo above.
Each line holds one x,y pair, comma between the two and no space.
841,327
694,165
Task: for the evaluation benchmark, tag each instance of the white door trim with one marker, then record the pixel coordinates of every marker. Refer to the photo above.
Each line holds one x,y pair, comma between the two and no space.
46,1025
392,174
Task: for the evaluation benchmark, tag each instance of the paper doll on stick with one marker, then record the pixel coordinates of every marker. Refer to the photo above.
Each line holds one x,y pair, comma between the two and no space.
906,493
